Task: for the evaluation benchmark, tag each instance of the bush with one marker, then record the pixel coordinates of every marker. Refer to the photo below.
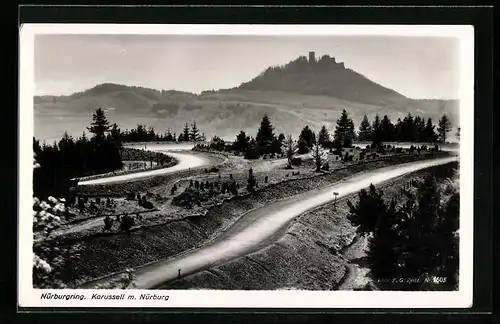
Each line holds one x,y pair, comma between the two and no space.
108,224
225,188
233,188
126,223
214,169
326,167
147,204
266,179
296,161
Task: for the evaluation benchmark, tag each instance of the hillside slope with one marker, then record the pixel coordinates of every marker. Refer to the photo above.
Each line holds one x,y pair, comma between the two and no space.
323,77
293,95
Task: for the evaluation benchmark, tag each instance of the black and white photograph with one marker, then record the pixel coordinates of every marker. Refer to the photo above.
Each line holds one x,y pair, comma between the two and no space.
168,161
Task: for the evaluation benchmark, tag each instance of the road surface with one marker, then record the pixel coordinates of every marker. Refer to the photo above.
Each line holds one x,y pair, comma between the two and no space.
186,161
258,228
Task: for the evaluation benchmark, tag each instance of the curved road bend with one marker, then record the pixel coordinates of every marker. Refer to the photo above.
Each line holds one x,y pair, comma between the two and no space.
256,229
186,161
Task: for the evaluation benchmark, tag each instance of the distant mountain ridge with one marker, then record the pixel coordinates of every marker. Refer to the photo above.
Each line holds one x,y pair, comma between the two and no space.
301,92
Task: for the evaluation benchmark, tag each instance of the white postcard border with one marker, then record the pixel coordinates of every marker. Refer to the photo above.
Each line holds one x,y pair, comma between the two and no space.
30,297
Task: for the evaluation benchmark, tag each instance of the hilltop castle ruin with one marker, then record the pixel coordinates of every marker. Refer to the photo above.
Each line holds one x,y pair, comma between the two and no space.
325,59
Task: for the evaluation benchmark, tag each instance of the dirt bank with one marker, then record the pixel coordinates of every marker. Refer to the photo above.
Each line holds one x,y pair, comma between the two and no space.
104,254
318,251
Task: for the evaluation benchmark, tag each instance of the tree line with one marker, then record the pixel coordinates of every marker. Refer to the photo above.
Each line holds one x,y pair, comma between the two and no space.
190,133
72,158
267,143
408,129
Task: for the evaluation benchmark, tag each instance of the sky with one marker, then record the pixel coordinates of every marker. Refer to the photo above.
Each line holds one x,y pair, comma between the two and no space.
417,67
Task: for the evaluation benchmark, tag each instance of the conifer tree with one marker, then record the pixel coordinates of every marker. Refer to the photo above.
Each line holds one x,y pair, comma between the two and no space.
419,129
344,131
429,133
116,134
99,126
302,147
377,130
194,135
387,129
318,156
252,150
324,137
443,128
308,136
185,133
365,130
241,142
265,135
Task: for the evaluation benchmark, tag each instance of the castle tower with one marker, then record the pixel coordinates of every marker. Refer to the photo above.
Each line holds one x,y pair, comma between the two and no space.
312,59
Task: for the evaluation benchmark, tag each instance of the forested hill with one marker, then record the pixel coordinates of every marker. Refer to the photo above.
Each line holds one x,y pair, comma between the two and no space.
326,77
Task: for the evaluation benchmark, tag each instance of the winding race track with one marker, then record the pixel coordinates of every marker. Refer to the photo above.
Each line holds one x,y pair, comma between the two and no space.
187,160
258,228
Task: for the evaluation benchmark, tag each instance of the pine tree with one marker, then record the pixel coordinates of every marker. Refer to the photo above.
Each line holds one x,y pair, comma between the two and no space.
241,142
377,135
382,255
308,136
99,126
251,182
290,149
443,128
324,137
116,134
194,135
302,146
151,135
367,212
429,134
387,129
277,145
365,130
408,131
318,156
168,136
252,150
419,129
344,131
265,135
185,133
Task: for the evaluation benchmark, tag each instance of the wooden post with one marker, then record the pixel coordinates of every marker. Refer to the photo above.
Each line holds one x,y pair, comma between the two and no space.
335,194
